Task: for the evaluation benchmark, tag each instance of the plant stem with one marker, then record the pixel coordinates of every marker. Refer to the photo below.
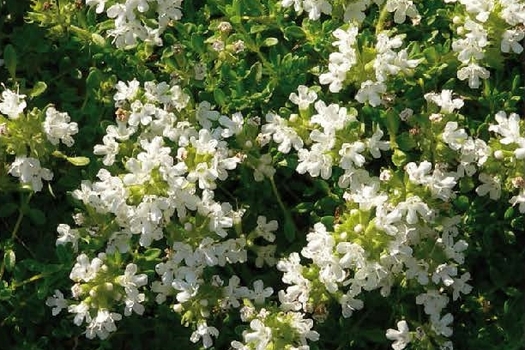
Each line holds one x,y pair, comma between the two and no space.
13,236
383,15
278,196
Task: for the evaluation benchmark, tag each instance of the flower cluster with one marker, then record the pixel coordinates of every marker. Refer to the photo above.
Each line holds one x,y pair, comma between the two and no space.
397,168
473,28
23,132
132,23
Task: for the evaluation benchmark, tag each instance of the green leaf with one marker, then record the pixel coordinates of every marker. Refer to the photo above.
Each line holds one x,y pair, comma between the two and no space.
94,78
78,161
9,259
98,39
152,254
270,42
5,292
38,89
37,216
294,32
64,254
328,222
197,43
304,207
219,96
462,203
10,60
466,185
399,158
7,209
257,28
289,229
406,142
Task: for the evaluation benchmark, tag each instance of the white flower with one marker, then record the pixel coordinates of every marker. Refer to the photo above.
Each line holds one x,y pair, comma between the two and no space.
445,101
480,8
67,235
444,273
519,199
284,135
57,302
232,126
332,117
204,175
265,254
102,324
261,335
12,104
490,185
29,171
130,280
260,293
375,145
401,336
204,332
98,3
442,325
168,11
370,92
125,91
109,149
511,39
298,5
349,304
401,9
264,168
433,301
347,40
84,269
265,229
354,11
82,313
453,136
58,128
508,127
473,72
351,155
412,206
315,161
305,97
133,302
460,285
338,66
316,7
188,285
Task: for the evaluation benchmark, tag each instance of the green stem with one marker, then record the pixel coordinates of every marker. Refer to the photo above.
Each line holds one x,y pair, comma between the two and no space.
29,280
278,196
13,235
383,15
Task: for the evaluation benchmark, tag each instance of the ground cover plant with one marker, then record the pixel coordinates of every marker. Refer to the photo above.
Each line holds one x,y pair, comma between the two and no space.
274,174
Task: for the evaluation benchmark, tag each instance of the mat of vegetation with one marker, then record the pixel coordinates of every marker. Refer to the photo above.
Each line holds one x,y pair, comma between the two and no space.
262,174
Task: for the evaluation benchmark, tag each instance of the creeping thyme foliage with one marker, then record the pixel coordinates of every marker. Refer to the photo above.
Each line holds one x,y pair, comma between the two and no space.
305,174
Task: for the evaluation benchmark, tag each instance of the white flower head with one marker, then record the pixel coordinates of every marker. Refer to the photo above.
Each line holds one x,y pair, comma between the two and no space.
206,333
30,172
371,92
58,127
445,101
401,336
305,98
12,104
473,72
511,39
57,302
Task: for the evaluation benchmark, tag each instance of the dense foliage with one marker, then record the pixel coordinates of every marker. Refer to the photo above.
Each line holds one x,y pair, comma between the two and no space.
262,174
